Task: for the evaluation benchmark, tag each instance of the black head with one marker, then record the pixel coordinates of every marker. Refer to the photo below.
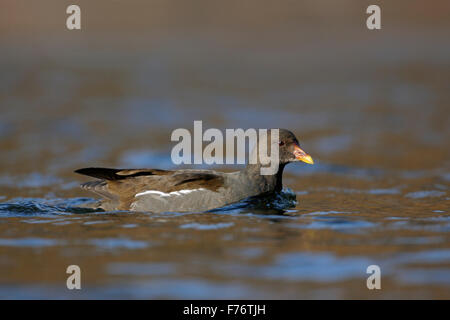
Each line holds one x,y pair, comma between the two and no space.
289,148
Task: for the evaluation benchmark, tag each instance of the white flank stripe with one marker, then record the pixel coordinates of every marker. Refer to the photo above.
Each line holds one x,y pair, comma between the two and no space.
164,194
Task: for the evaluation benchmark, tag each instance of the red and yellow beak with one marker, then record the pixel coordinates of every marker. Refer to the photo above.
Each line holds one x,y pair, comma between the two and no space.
302,155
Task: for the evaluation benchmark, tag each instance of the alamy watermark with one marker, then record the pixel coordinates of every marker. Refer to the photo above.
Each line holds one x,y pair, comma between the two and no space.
374,280
373,21
262,143
73,21
74,280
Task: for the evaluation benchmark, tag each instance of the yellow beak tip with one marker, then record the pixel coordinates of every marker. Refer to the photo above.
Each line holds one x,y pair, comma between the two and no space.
308,160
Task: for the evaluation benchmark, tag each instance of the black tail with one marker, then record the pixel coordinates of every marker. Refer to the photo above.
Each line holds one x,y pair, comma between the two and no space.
101,173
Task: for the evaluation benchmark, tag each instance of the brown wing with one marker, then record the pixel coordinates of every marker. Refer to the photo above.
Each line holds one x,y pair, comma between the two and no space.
124,184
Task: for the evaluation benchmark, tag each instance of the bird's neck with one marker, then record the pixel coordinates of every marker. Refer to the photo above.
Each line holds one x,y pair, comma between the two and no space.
270,182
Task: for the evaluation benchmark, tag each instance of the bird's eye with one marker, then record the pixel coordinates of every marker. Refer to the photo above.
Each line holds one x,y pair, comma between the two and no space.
281,143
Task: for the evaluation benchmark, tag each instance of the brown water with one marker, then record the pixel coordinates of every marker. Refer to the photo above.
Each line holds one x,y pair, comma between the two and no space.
372,109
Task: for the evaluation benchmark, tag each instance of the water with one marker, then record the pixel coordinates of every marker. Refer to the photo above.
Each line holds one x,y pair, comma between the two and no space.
373,111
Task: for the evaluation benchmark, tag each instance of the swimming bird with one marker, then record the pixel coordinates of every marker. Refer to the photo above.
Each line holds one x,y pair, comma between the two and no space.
184,190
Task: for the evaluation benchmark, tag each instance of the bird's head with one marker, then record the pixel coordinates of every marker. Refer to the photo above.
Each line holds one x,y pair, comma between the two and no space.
289,148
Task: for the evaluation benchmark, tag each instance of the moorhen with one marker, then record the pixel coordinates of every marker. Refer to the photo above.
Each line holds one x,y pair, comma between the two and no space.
184,190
